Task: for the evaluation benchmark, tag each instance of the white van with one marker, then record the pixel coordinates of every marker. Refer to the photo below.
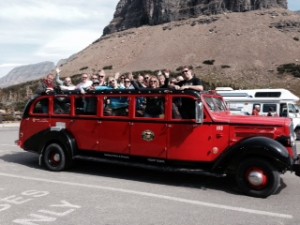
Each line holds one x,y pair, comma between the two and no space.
274,102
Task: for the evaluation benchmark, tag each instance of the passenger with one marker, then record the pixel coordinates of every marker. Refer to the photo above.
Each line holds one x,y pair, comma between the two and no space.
187,105
47,85
141,82
127,83
164,79
190,81
256,110
173,81
114,106
85,83
155,106
66,84
120,79
102,77
146,79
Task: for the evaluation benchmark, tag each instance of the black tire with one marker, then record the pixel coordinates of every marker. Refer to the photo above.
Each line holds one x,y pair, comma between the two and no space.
55,158
297,132
257,178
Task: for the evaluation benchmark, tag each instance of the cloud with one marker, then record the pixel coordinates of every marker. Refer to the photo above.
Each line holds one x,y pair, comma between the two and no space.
33,31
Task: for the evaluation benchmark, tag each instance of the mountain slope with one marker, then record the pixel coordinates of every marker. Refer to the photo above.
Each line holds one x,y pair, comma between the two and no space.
244,46
25,73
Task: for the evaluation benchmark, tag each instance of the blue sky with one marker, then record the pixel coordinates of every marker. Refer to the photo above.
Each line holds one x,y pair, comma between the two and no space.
33,31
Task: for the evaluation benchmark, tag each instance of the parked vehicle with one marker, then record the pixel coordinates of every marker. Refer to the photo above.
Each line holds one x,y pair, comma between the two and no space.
70,125
275,102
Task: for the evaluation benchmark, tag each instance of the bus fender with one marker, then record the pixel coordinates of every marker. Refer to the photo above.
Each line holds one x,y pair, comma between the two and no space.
39,141
262,147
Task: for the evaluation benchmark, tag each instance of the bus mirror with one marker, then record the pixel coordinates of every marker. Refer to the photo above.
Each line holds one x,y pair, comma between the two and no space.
199,112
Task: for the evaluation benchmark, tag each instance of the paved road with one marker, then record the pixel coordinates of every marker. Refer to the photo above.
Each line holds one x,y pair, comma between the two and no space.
97,193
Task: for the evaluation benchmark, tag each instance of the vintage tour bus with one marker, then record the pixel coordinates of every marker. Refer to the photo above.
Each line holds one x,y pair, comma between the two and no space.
164,128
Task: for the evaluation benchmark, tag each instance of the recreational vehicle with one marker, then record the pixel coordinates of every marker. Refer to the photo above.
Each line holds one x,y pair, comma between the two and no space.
272,102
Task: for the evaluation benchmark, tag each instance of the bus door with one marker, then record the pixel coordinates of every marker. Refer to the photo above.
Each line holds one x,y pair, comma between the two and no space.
114,128
190,141
84,125
184,141
148,136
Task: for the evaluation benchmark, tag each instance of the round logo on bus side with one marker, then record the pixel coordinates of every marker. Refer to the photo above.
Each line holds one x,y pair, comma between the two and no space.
148,135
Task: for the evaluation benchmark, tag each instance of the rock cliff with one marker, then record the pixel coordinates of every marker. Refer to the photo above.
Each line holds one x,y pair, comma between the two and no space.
136,13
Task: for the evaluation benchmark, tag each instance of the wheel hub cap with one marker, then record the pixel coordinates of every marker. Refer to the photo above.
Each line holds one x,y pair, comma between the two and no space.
257,178
56,157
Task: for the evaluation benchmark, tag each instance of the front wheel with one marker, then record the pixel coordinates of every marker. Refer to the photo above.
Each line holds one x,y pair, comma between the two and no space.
55,158
257,178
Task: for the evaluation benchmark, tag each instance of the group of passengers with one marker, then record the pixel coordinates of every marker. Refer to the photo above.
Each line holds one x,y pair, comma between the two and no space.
152,107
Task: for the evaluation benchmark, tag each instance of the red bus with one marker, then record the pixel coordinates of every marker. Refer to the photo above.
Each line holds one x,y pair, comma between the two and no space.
163,128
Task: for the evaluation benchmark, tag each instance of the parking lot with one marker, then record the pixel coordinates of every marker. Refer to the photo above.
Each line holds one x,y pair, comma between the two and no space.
99,193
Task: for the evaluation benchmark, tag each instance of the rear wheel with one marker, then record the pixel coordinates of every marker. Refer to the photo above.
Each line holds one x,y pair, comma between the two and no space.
55,158
257,177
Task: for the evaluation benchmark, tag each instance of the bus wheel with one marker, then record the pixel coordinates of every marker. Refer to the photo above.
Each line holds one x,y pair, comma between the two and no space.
257,178
54,157
297,132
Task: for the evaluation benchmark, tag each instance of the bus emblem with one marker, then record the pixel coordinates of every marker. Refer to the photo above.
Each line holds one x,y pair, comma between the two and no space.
148,135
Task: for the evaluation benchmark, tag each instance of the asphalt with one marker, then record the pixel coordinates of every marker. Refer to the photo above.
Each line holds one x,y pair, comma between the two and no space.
10,124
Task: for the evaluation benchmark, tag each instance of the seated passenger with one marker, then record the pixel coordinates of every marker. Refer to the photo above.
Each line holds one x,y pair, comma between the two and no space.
155,106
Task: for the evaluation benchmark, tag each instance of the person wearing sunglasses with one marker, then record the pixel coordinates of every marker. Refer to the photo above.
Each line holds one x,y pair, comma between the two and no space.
190,81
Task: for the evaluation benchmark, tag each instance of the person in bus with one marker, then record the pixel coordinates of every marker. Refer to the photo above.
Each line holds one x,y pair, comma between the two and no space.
85,83
186,106
102,78
114,106
256,110
47,85
155,107
66,84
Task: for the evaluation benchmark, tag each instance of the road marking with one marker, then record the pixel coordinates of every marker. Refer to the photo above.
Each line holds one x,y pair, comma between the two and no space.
152,195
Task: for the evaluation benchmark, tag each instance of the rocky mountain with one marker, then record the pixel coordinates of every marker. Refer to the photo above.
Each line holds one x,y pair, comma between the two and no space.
249,49
136,13
25,73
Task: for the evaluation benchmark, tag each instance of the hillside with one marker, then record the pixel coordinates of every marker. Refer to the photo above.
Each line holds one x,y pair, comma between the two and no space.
25,73
246,49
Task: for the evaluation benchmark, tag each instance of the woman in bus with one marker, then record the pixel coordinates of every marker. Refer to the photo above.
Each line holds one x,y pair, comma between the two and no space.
155,106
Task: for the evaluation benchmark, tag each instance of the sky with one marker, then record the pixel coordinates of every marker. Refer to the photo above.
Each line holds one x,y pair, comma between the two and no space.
34,31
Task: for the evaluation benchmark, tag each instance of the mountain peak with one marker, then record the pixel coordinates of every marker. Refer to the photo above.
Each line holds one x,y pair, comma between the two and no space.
136,13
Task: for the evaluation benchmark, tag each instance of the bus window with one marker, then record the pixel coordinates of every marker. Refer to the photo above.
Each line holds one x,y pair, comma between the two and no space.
42,106
116,106
186,107
86,105
62,105
150,107
176,104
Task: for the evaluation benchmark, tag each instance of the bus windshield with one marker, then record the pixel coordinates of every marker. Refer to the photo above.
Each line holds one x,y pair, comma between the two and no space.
215,104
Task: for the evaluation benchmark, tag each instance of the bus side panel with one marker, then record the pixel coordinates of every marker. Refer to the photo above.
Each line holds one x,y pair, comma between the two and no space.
86,133
149,140
189,142
114,136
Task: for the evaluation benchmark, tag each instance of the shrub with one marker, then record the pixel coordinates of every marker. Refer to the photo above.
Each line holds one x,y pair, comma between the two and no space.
108,67
84,68
209,62
292,68
225,66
